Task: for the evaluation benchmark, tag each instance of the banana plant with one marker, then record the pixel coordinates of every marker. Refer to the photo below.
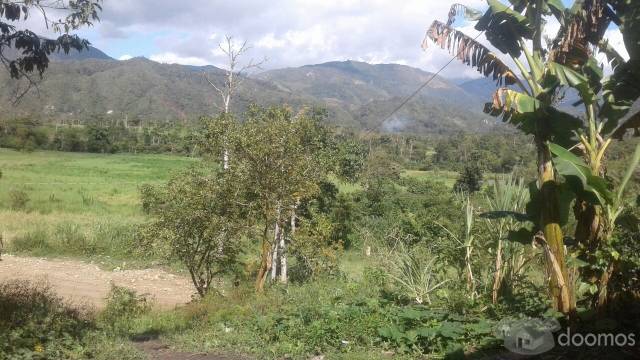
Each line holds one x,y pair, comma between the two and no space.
527,98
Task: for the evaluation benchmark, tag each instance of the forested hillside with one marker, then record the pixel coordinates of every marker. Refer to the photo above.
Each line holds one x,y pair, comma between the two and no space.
90,87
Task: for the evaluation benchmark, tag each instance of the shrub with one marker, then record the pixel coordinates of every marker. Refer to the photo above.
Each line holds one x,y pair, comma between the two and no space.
200,222
35,323
18,199
427,330
470,180
123,306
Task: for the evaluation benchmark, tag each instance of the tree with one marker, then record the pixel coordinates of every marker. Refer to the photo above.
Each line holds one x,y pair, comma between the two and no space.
528,101
199,220
234,76
22,51
98,140
470,180
279,159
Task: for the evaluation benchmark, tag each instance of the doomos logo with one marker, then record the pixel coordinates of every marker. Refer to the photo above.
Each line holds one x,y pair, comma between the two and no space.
528,336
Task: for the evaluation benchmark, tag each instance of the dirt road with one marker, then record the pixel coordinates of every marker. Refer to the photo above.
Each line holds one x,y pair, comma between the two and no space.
83,283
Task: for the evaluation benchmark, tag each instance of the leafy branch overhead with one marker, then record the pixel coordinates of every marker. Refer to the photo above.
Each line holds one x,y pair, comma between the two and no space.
22,51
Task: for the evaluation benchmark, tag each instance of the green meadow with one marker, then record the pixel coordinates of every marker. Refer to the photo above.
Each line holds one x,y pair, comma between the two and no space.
77,204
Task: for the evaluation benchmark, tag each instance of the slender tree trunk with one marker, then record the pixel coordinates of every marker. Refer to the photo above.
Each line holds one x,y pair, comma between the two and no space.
276,243
265,261
497,277
284,276
225,159
550,221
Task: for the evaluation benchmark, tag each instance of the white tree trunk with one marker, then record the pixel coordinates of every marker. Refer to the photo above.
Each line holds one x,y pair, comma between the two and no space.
276,245
225,159
283,248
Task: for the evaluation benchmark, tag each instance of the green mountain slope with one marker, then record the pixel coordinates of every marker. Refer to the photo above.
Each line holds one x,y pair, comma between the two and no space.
90,87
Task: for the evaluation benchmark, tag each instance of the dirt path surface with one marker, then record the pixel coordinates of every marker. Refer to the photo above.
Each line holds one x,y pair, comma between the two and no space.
155,350
83,283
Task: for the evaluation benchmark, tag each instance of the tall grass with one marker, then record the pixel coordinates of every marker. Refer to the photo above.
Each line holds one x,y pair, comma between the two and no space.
116,240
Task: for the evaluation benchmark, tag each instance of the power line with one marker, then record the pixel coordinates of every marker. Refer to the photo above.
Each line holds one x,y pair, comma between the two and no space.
403,103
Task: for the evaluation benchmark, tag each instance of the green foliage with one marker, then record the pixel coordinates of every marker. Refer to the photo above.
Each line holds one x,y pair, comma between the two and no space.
418,275
498,153
422,329
470,180
315,250
351,159
36,324
30,51
122,307
198,218
103,239
98,140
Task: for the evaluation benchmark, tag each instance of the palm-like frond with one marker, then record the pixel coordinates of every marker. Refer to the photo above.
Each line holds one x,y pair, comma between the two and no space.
464,11
471,53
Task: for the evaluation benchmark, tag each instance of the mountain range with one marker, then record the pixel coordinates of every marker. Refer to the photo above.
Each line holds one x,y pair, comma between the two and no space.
91,85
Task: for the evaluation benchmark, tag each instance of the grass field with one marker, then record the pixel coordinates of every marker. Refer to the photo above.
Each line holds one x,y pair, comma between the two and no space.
77,204
83,183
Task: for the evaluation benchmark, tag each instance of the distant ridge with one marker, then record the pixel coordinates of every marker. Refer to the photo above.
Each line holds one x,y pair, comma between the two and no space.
90,85
87,54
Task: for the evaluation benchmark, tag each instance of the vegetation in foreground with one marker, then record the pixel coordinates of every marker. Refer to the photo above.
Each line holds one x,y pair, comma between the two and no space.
263,218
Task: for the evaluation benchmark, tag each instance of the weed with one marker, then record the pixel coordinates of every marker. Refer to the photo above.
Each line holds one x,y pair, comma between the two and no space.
18,199
123,305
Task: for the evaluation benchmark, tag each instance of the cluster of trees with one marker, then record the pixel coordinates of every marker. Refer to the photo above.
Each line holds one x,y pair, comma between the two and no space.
29,135
490,152
271,183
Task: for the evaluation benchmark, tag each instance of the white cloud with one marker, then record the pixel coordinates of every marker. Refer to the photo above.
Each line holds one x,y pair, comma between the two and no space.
172,58
289,32
125,57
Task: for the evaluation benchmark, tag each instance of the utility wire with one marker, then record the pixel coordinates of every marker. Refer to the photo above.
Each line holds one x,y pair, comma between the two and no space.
403,103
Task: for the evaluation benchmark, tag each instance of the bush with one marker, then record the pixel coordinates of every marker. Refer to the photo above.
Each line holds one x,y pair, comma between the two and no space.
123,306
35,323
423,329
18,199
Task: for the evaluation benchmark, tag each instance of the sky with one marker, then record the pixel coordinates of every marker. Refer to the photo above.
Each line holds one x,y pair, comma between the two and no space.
287,33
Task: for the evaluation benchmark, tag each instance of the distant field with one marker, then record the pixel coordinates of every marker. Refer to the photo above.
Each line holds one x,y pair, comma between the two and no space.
60,182
78,204
447,177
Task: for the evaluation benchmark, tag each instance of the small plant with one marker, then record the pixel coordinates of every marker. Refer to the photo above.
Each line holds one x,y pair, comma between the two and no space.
424,330
123,305
87,200
418,277
53,198
18,199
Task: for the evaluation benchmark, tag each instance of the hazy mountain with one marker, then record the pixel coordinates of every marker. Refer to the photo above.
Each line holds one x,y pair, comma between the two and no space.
356,83
74,55
481,88
91,85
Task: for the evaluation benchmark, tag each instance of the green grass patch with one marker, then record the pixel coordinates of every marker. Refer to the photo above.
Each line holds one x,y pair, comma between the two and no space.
78,205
